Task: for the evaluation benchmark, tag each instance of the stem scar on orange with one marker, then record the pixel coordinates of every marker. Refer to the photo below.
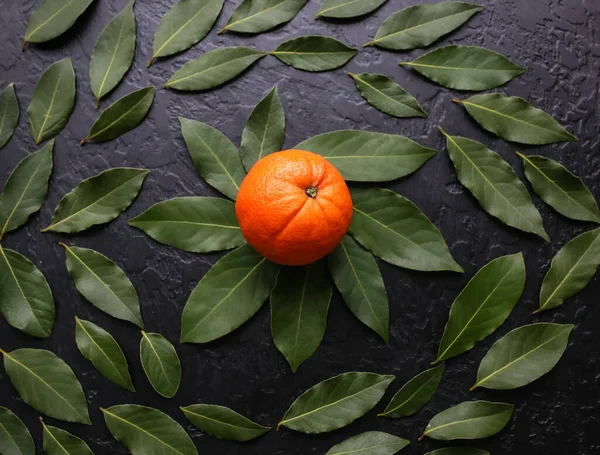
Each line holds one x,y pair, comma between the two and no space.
294,207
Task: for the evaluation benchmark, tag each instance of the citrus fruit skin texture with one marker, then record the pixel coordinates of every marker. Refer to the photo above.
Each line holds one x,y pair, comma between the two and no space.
294,207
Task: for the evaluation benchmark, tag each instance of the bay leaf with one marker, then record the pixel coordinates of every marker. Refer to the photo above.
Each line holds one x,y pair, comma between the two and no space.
523,355
15,438
214,68
415,394
223,423
52,101
61,442
314,53
103,283
458,451
466,68
365,156
147,431
97,200
230,293
299,306
26,300
26,189
121,116
336,402
483,305
370,443
469,420
47,384
53,18
216,159
494,184
514,119
571,270
161,363
357,277
264,130
184,25
257,16
113,52
346,9
421,25
394,229
100,348
560,189
384,94
9,114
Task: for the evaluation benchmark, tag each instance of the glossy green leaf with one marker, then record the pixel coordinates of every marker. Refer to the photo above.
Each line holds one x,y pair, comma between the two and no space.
357,277
572,269
346,9
61,442
15,438
26,300
483,305
52,101
223,423
364,156
53,18
100,348
147,431
469,420
314,53
394,229
264,131
415,394
458,451
514,119
559,188
216,159
257,16
421,25
523,355
370,443
161,363
494,184
47,384
121,116
227,296
103,283
9,114
336,402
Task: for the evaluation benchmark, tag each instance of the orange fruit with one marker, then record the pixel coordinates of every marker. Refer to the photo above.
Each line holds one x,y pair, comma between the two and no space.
294,207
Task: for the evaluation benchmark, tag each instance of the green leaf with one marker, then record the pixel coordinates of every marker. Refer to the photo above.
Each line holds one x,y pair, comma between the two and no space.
560,189
47,384
469,420
103,283
216,159
184,25
370,443
523,355
9,113
458,451
161,363
223,423
299,306
364,156
25,297
97,200
314,53
514,119
483,305
113,52
227,296
15,438
336,402
346,9
357,277
147,431
393,228
53,18
264,131
52,101
421,25
257,16
571,270
214,68
61,442
26,189
494,184
100,348
415,394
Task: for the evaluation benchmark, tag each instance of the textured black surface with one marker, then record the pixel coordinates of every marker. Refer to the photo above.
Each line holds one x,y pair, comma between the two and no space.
557,40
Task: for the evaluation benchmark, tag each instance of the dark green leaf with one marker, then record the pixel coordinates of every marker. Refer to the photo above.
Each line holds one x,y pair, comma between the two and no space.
161,363
9,114
345,9
314,53
15,438
53,18
458,451
60,442
370,443
257,16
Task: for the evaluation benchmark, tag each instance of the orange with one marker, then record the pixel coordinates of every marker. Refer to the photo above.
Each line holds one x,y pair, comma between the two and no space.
294,207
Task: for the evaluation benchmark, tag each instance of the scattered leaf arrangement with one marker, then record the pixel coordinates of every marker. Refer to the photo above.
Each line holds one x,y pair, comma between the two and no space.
385,224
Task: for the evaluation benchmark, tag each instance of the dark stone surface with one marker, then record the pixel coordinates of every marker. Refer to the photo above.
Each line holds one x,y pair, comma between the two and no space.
557,40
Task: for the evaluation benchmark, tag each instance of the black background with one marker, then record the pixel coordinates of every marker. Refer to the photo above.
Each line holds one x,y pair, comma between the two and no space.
557,40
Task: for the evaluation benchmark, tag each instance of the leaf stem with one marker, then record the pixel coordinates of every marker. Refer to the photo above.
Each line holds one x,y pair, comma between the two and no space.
223,30
83,141
454,100
370,43
474,387
422,437
537,311
3,352
24,46
149,64
97,103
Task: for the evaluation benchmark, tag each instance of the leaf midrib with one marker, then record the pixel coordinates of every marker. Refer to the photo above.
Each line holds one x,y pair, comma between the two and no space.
300,312
413,395
228,26
136,222
47,114
218,160
395,101
363,449
162,367
3,428
458,422
340,5
55,440
457,68
211,68
187,411
118,119
51,18
112,59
